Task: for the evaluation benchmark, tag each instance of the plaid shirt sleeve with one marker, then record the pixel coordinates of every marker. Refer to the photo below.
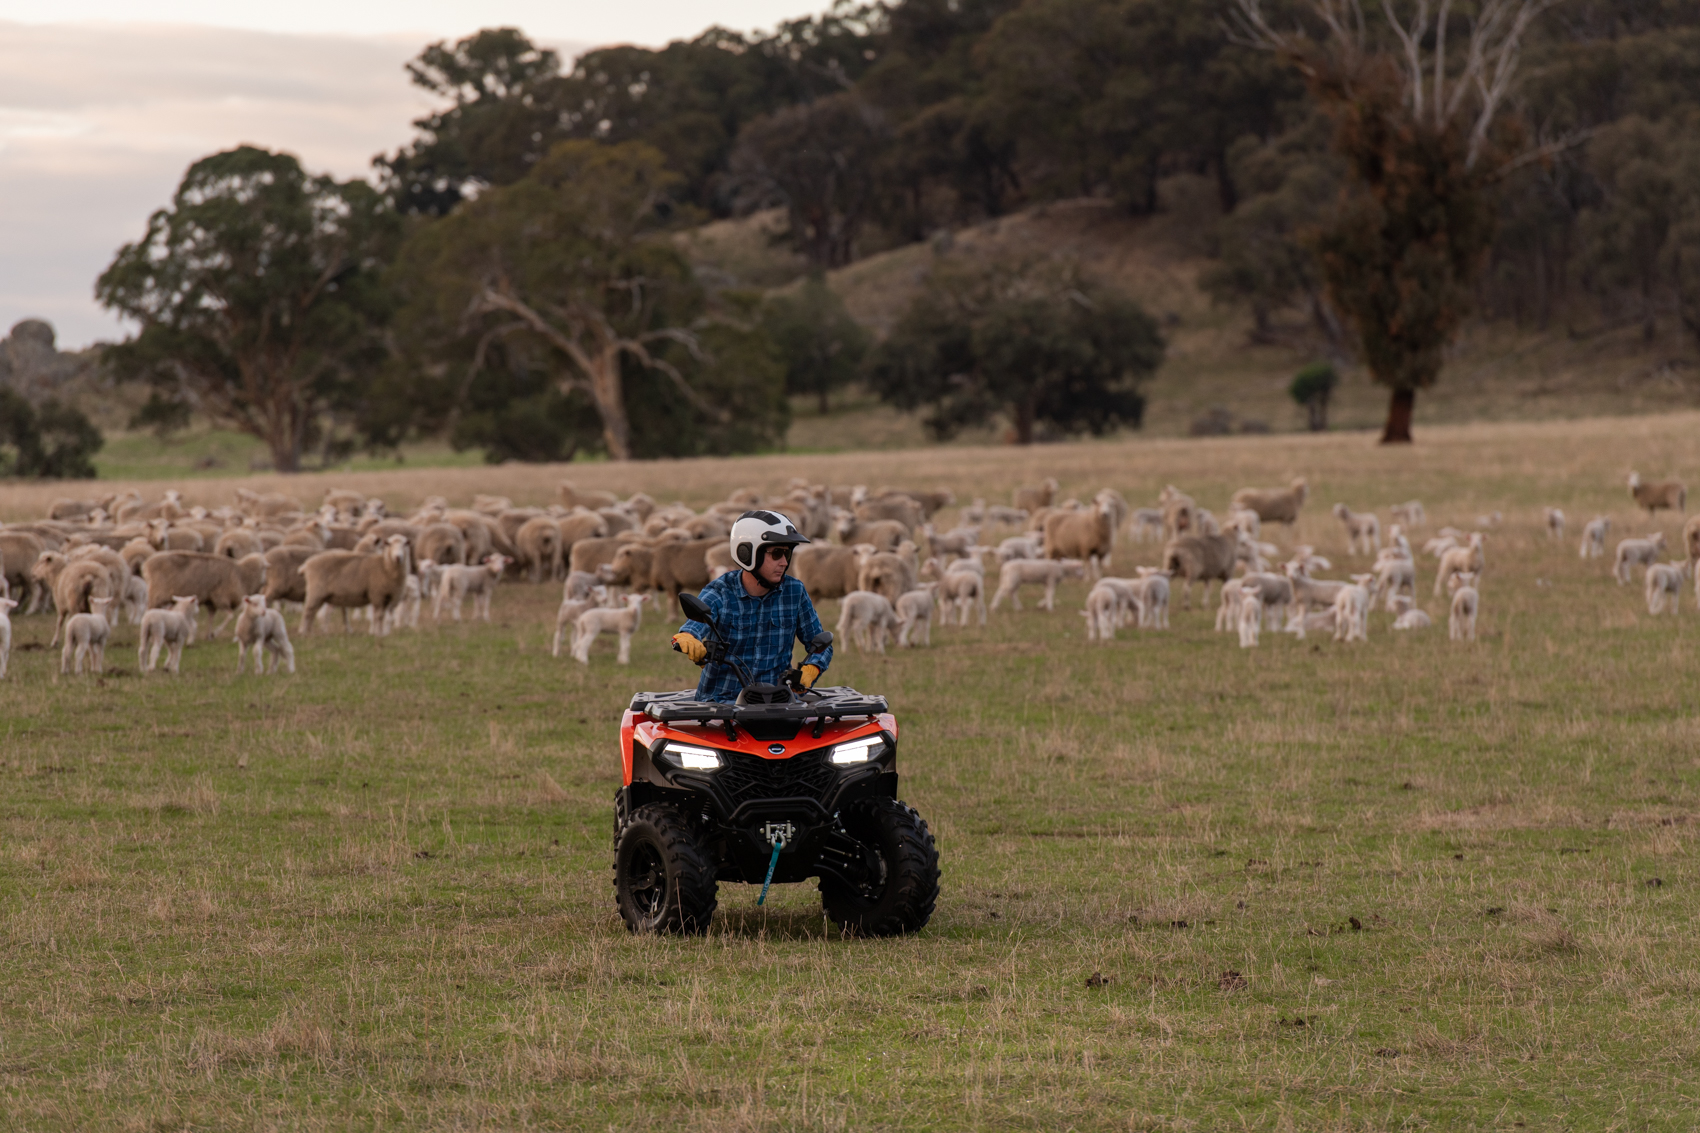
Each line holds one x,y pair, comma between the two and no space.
762,632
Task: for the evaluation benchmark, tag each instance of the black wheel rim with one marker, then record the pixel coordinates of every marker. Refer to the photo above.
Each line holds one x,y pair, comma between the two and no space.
872,883
646,881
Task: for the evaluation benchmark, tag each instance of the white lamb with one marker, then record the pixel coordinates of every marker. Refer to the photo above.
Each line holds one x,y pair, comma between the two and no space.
1103,612
1019,547
1555,523
1250,618
1466,601
1395,576
1363,529
1636,552
1154,598
572,608
867,619
458,582
1307,561
1274,593
263,631
169,629
1471,557
85,636
966,591
1016,573
1594,538
1410,513
1351,609
1411,618
7,605
1664,583
915,612
624,620
1228,609
1301,623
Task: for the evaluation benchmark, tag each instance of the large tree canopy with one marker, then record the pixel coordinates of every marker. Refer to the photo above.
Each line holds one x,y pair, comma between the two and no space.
258,294
564,271
1032,342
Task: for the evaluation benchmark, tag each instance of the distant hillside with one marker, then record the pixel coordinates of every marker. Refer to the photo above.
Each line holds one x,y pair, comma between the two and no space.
1499,372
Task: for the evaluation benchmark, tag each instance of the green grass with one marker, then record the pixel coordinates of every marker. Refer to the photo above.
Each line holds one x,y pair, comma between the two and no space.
208,453
348,899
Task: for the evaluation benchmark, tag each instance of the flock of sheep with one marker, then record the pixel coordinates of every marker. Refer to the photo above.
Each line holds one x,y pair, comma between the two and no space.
162,563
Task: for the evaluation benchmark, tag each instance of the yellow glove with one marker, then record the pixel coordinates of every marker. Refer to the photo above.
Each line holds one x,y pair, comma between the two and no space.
811,674
690,647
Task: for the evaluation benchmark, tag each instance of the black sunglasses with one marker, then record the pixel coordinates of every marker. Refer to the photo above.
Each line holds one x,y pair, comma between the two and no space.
779,552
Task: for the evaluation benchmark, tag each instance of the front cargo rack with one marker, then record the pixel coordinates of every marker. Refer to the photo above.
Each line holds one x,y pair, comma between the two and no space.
832,703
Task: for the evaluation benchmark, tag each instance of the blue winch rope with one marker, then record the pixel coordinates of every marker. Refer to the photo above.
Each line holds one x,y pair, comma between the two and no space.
771,863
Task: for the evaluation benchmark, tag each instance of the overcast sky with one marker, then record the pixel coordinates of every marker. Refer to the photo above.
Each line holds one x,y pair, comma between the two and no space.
103,108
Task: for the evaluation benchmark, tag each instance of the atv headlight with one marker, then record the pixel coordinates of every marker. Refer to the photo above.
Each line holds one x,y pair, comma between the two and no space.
856,751
695,758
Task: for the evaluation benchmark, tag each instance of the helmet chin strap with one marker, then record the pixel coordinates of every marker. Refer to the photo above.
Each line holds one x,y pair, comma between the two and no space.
761,559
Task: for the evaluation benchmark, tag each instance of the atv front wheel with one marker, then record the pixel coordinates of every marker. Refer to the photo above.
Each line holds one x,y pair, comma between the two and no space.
663,881
900,882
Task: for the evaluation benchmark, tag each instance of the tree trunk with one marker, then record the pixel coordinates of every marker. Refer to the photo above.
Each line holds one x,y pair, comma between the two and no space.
825,400
1024,414
1399,409
606,391
1318,406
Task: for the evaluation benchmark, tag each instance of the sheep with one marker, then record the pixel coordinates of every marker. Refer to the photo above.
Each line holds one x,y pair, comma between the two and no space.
459,581
954,542
930,501
406,611
1012,575
577,526
623,621
1018,547
572,497
965,590
1154,598
1274,592
1668,494
1147,524
442,543
886,573
219,583
1088,535
1691,542
1310,593
1466,558
1636,552
117,570
1363,529
1307,560
1227,609
1031,499
259,628
1395,575
1103,612
1555,523
1412,618
885,534
915,612
1466,601
270,504
825,570
237,543
1351,609
867,618
1272,505
571,608
538,547
677,567
352,579
1664,581
170,629
1410,513
1321,621
1440,544
74,586
898,509
19,551
7,605
1594,538
1250,619
1200,558
85,637
590,555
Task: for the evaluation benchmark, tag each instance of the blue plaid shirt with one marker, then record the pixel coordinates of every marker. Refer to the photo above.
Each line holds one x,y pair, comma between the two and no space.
760,631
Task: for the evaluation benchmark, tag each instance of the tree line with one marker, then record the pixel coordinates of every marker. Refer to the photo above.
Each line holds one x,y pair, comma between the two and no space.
508,280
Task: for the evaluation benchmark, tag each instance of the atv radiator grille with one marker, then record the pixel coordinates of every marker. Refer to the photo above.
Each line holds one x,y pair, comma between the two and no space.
746,777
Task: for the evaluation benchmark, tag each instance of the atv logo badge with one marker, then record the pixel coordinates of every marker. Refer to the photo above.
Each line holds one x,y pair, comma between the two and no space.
776,749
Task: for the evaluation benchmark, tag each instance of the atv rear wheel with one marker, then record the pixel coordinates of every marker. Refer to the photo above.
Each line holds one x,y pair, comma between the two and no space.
901,883
663,881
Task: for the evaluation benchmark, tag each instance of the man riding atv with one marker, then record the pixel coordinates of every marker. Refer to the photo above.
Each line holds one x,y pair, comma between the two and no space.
760,609
759,776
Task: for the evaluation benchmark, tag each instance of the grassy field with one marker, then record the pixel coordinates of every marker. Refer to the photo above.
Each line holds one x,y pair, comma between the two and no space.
1402,884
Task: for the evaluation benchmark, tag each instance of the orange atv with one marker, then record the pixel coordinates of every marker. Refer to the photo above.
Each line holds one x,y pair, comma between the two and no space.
781,785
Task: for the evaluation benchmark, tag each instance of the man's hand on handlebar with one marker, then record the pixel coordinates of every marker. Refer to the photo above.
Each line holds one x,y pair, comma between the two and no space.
688,645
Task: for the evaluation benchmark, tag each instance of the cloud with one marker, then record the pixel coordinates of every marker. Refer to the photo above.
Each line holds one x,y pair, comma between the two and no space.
99,121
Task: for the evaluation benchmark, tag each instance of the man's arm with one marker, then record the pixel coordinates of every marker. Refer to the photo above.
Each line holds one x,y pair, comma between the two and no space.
809,628
693,637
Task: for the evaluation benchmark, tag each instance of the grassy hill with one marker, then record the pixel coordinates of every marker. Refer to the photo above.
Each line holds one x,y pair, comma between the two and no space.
1575,367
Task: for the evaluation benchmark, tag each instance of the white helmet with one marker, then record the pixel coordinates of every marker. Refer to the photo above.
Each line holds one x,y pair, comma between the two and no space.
757,529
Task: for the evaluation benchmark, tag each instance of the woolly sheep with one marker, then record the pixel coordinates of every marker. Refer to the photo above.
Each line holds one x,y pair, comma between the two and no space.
1469,557
537,546
1594,538
1555,523
965,590
261,629
1412,619
1274,592
1636,552
826,571
1351,609
19,551
624,621
1228,606
352,579
169,629
1013,575
1664,584
572,608
219,583
866,618
1301,624
1691,542
1363,529
1310,593
1410,513
442,543
1154,598
1103,612
1668,494
74,586
885,534
1466,601
1200,558
1088,535
915,613
1273,505
1250,619
457,582
1032,498
85,637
